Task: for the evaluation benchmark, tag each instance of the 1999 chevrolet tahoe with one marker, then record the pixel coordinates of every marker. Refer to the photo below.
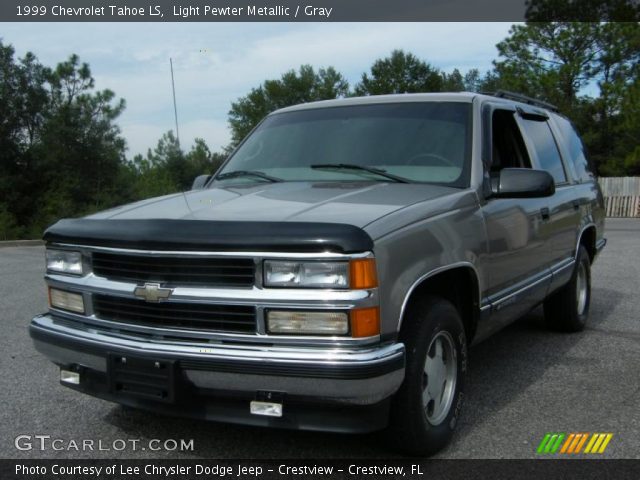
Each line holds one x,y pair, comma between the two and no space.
332,274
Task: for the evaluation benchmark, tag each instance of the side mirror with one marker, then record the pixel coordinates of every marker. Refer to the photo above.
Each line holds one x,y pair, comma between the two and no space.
522,183
200,181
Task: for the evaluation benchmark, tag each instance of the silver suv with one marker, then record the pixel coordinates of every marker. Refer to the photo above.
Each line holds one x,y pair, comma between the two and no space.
332,274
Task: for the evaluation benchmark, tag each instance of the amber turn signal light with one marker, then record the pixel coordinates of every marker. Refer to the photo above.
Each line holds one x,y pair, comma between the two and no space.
362,273
365,322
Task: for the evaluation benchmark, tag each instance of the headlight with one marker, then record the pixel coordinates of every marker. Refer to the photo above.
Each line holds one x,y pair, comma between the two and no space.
356,274
64,261
306,274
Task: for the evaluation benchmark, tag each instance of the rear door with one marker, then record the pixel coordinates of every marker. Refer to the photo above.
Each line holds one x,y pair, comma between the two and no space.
564,206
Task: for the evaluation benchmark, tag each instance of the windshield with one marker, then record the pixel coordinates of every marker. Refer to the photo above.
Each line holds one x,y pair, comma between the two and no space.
417,142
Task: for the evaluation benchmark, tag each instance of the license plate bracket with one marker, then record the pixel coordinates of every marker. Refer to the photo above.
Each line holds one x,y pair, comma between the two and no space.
142,377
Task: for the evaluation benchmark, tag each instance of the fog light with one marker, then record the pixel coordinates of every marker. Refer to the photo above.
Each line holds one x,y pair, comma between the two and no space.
267,409
72,302
67,376
308,323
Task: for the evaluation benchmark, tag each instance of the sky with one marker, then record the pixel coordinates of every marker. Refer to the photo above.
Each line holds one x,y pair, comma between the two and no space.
216,63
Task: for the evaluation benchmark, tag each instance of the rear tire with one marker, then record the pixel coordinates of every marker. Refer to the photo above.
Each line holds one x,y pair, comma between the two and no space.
567,309
426,408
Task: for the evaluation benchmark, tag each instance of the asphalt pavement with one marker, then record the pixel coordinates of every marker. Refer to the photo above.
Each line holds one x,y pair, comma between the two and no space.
523,382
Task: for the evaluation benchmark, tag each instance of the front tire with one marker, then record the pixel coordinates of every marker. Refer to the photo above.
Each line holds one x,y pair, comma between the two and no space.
567,309
425,410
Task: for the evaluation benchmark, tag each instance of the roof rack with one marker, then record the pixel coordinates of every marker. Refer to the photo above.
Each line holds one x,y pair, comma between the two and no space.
524,99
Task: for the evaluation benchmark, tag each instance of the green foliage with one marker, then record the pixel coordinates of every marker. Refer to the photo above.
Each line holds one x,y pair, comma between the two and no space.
292,88
551,60
403,72
61,149
583,10
167,169
62,154
400,73
8,228
554,61
627,133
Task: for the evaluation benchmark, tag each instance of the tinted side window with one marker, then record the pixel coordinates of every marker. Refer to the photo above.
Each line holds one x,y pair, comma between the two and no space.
546,148
508,147
577,153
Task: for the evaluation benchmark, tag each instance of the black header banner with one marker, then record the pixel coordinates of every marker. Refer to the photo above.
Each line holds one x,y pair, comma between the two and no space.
316,10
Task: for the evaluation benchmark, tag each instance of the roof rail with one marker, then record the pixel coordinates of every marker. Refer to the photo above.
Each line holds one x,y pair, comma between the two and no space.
518,97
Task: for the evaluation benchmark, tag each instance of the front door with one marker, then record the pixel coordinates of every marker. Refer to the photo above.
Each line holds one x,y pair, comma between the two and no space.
518,231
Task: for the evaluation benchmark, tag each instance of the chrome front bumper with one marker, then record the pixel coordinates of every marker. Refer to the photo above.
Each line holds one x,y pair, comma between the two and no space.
356,376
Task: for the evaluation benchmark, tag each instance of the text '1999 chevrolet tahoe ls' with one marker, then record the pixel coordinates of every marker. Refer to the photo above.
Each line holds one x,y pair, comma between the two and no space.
331,275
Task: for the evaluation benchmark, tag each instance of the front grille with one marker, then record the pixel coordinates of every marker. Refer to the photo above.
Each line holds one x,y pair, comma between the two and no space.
181,315
175,271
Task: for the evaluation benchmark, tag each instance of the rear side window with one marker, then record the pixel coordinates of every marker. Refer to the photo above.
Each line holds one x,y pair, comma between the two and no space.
577,153
546,149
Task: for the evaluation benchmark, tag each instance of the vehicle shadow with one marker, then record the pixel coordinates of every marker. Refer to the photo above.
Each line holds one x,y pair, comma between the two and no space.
502,368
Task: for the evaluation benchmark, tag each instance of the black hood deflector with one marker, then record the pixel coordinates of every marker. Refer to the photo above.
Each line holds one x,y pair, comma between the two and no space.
192,235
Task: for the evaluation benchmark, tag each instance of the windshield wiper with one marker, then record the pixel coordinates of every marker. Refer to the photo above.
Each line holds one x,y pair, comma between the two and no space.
247,173
353,166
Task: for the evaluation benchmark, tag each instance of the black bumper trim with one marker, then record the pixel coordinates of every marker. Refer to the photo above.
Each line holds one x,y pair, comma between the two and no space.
324,371
298,413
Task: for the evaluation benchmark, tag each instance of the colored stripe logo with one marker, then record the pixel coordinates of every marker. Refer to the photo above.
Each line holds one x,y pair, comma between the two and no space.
574,443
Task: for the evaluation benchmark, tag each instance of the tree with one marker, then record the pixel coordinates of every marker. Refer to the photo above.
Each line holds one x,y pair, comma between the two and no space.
627,134
616,75
62,154
60,149
201,161
555,61
400,73
453,82
472,81
292,88
23,101
8,227
80,150
582,10
552,60
167,169
147,179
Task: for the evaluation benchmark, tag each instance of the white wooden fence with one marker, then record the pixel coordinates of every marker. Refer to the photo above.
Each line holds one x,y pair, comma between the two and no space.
621,196
627,206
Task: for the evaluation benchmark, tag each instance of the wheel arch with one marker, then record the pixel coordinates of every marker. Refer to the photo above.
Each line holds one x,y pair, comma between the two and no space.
457,283
587,238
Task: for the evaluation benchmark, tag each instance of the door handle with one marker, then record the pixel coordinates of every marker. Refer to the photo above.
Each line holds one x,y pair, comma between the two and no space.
544,212
576,205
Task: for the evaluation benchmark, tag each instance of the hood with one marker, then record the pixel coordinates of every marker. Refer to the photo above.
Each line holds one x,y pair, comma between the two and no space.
352,203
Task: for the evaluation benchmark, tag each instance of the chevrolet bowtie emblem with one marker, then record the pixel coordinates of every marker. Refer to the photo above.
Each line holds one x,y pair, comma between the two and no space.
152,292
